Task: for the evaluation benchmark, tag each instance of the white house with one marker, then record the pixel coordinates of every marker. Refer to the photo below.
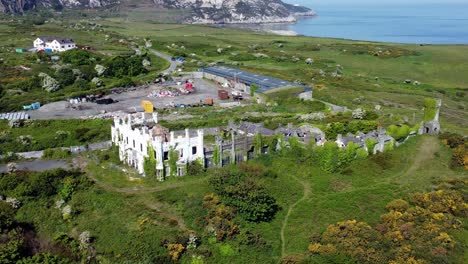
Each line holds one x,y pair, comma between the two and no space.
136,135
55,44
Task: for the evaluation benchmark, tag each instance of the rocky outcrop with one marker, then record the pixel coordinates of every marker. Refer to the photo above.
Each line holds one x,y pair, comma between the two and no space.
17,6
201,11
238,11
20,6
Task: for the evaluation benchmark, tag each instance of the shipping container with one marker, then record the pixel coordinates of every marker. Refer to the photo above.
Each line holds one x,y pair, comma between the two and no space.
209,101
223,95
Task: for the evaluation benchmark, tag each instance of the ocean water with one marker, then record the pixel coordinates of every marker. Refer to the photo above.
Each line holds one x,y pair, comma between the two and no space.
428,23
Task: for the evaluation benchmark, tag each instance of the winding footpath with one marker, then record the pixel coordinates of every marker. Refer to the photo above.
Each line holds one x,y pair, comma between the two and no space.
305,196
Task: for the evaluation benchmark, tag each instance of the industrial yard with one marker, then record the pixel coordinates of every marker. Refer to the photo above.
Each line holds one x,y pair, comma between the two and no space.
129,101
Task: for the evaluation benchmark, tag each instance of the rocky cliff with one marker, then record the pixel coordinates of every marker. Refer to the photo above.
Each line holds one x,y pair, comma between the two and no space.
201,11
19,6
238,11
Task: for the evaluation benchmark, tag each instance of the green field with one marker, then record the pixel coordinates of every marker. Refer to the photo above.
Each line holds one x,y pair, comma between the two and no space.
136,220
366,80
44,134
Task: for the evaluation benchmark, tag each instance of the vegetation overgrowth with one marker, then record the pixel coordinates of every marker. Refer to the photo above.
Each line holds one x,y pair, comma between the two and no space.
46,134
211,218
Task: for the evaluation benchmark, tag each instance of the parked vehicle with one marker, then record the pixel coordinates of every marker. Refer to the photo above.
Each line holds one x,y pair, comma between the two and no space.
105,101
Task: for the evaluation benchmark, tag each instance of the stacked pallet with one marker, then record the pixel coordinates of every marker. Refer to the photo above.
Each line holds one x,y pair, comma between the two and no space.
14,116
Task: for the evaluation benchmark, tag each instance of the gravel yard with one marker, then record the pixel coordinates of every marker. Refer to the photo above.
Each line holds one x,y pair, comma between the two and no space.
126,101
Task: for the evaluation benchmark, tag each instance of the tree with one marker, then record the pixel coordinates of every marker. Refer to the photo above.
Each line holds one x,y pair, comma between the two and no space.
78,57
333,129
328,156
7,215
65,77
253,89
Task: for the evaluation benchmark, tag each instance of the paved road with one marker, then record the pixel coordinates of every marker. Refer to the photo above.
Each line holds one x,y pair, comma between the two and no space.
174,64
334,108
74,149
40,165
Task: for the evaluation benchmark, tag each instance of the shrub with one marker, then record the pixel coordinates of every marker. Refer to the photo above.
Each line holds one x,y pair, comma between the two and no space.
398,133
252,201
370,144
7,215
195,168
56,154
122,66
65,77
398,205
460,156
452,140
226,250
81,85
328,156
79,57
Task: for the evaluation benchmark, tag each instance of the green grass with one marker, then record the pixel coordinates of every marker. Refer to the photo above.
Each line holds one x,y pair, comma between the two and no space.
116,210
378,80
44,134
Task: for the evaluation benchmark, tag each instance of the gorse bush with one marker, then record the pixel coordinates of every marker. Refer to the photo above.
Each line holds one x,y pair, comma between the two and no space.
416,233
239,190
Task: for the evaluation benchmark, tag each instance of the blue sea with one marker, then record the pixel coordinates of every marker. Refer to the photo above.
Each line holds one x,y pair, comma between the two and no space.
428,23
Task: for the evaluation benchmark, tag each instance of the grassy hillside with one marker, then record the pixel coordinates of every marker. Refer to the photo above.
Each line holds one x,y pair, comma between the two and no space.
366,80
116,209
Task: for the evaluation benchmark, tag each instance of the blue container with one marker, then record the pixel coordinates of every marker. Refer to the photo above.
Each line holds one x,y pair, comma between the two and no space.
36,105
48,50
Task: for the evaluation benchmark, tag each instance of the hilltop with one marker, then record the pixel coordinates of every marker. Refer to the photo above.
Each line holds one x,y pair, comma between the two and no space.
200,12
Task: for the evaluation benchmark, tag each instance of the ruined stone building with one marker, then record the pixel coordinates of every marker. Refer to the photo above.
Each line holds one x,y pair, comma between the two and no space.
140,137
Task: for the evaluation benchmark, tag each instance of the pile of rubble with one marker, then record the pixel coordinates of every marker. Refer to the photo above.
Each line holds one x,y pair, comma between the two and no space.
168,92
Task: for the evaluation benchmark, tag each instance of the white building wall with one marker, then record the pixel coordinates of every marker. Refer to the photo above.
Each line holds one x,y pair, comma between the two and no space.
54,45
133,144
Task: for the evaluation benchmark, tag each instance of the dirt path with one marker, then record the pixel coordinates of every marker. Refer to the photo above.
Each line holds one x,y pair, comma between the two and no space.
305,196
426,150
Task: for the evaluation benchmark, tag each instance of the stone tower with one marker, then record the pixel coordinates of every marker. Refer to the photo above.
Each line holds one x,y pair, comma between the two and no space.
432,127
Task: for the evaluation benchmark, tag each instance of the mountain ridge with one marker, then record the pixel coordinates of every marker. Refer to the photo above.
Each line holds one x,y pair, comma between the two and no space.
200,11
